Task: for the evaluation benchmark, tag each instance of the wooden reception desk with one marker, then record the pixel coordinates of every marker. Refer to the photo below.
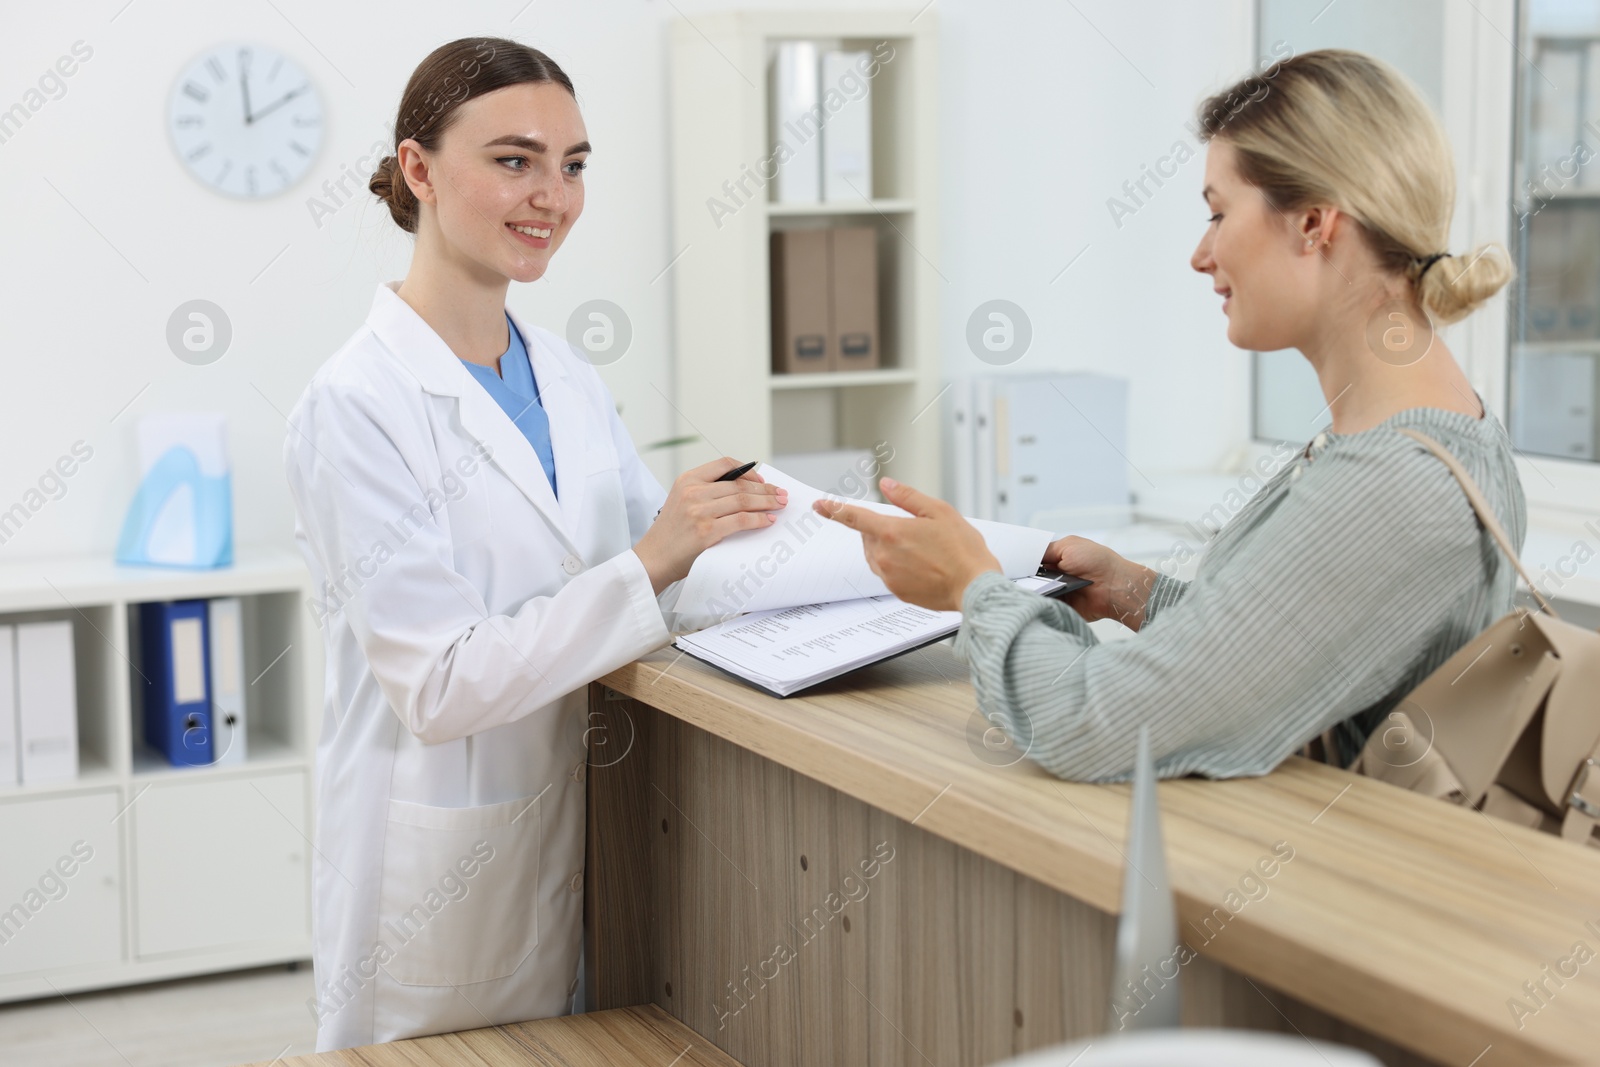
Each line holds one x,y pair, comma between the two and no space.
852,877
640,1036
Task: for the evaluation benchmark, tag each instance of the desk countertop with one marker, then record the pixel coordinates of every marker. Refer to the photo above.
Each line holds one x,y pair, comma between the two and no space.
1411,918
643,1036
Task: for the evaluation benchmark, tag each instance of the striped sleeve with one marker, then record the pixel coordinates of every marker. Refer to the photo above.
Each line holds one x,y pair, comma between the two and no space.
1323,613
1166,592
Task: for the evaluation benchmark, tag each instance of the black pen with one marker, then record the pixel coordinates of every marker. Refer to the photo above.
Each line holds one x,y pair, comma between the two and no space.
739,471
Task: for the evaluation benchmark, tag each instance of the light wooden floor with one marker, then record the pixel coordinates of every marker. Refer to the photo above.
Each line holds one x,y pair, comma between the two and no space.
215,1021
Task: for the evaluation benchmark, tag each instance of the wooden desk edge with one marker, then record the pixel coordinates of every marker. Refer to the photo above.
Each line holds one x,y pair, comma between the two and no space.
1342,987
524,1040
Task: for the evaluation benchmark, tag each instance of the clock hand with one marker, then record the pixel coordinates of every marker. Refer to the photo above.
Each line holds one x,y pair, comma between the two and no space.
244,90
270,108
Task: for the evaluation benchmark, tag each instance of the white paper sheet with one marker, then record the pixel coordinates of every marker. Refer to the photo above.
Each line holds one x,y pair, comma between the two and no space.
805,559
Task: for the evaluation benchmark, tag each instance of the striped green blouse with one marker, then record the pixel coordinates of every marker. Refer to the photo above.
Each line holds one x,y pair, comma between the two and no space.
1342,583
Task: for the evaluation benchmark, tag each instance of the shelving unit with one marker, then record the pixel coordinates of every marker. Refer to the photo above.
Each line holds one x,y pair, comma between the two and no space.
726,391
844,380
192,869
865,207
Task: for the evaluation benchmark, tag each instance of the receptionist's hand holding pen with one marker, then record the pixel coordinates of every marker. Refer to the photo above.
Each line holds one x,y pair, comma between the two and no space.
701,509
930,558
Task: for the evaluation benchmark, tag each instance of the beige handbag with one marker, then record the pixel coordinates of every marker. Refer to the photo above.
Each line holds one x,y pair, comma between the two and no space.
1510,724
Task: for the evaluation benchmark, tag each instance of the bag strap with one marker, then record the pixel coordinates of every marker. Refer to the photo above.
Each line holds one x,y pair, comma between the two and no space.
1480,505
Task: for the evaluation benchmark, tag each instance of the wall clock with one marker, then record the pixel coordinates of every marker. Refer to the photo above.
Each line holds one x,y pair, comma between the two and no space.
245,120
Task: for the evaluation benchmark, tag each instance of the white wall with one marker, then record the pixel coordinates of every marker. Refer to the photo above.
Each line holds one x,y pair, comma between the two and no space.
1048,109
106,234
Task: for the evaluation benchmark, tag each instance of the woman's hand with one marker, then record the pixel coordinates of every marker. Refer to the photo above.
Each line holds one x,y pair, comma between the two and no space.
699,512
1120,590
928,559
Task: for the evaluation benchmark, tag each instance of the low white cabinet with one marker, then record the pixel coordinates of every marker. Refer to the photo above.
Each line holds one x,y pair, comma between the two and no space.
60,883
220,863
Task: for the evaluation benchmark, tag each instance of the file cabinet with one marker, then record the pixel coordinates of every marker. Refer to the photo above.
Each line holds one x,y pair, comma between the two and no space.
177,870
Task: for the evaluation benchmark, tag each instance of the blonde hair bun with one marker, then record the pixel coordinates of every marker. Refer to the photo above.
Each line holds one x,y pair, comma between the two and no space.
1453,287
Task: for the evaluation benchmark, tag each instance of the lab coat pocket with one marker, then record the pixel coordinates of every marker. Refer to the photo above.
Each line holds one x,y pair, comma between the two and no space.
459,899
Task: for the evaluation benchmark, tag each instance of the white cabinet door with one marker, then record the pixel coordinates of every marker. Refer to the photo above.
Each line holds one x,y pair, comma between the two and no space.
60,883
220,862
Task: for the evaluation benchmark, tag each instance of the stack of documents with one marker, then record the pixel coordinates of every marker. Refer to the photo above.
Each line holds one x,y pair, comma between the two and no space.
785,650
797,604
804,558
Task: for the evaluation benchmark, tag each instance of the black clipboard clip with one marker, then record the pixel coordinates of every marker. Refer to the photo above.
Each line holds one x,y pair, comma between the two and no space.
1064,583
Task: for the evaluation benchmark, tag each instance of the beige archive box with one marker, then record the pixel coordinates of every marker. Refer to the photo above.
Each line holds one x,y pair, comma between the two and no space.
800,334
853,279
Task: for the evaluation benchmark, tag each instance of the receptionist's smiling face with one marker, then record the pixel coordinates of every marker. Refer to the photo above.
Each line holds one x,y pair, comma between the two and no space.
1256,260
507,178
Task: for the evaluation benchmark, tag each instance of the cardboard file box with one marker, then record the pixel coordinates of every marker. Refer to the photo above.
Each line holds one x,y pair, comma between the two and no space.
853,279
800,333
825,300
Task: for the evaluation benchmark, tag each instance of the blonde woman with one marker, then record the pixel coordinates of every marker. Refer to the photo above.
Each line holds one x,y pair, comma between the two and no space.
1360,566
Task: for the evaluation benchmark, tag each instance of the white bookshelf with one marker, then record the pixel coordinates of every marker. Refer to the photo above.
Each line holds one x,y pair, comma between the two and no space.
844,380
725,389
864,207
194,869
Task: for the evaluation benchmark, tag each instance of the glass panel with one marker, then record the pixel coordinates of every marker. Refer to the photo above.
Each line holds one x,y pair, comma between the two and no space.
1555,307
1288,404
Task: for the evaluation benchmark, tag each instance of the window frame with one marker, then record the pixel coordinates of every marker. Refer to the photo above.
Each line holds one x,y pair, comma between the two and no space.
1482,97
1551,483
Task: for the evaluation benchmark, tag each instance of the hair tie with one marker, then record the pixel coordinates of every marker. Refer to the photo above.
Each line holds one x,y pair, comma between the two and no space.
1430,261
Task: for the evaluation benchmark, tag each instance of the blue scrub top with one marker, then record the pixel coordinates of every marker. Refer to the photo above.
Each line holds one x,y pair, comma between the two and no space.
517,393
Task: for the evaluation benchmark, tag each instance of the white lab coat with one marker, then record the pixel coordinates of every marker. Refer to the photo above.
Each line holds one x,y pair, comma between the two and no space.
464,613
